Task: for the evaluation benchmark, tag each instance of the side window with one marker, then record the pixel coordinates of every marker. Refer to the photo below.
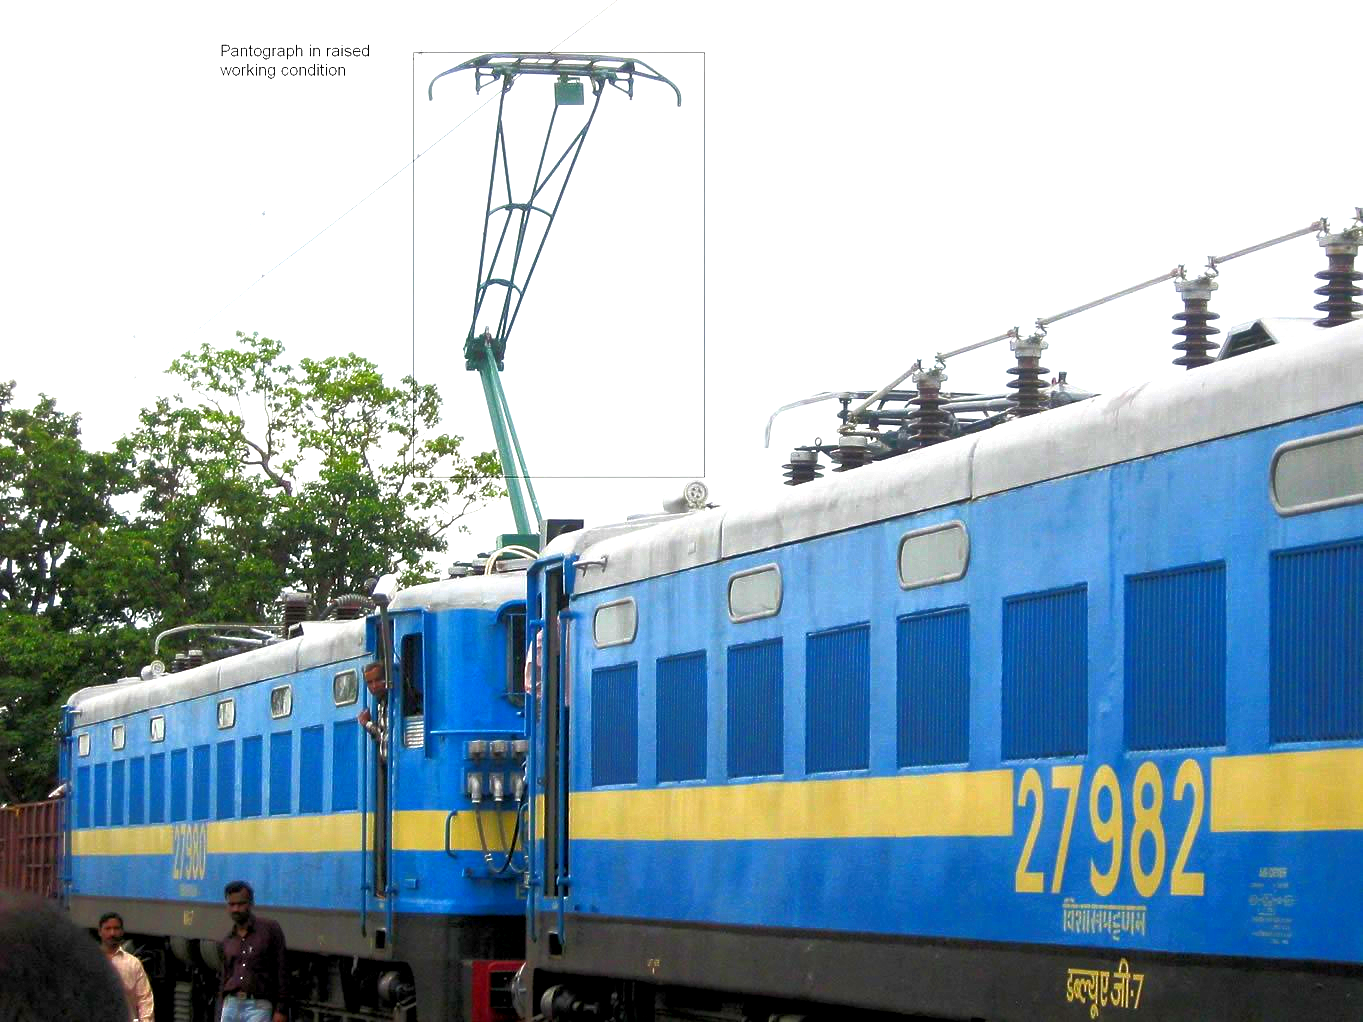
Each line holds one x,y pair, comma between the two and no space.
515,656
755,593
345,687
615,624
1318,472
118,737
158,729
931,556
281,701
83,744
227,714
413,693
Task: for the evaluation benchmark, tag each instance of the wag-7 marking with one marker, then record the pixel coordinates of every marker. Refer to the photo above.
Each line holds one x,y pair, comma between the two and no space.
1147,800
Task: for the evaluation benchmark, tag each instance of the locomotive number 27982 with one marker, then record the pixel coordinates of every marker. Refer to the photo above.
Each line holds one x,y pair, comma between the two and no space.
1148,844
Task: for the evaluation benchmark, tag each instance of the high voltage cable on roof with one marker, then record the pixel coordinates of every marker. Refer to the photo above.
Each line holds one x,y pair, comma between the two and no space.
1320,227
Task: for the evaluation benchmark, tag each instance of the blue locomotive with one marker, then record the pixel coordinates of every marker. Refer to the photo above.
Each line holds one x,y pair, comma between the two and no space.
388,858
1058,719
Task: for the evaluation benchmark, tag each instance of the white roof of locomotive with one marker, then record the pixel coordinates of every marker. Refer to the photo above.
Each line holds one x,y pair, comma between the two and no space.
1317,370
322,642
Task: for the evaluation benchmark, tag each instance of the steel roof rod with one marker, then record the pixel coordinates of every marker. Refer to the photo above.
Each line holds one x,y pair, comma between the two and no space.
1317,226
1320,226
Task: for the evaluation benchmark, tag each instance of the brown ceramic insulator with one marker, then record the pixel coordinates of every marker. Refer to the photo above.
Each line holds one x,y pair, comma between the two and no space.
928,422
802,468
1339,290
1196,319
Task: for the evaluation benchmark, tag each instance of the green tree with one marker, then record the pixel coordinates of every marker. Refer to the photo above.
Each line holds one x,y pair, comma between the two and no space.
315,476
56,509
267,475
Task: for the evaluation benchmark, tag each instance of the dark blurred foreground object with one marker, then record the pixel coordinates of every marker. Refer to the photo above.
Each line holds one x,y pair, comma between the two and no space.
50,969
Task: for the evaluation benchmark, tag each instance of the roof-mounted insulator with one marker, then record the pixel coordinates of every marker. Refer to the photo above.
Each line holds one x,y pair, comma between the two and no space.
460,570
853,452
1196,318
803,467
1340,291
1030,385
178,664
930,424
349,607
295,609
193,658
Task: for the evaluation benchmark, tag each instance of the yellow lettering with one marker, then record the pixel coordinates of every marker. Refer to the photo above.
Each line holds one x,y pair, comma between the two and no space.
1107,829
1147,821
1180,881
1027,881
1066,778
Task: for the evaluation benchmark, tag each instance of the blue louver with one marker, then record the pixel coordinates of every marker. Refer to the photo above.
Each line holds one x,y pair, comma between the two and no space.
755,708
116,774
311,747
1045,674
83,796
203,776
252,775
1176,658
281,773
227,779
137,790
838,699
156,788
179,785
681,717
101,794
615,725
1316,643
345,765
933,695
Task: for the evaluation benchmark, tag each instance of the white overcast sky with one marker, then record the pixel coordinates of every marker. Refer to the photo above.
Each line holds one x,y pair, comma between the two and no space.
845,188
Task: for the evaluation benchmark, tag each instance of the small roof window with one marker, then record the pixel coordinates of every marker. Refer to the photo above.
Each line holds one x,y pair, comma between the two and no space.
931,556
615,624
755,593
281,701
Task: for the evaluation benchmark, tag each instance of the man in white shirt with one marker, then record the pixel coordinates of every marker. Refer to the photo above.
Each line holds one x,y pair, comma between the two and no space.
136,989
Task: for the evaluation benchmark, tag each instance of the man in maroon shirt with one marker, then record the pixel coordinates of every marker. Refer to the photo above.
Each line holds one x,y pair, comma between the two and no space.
255,979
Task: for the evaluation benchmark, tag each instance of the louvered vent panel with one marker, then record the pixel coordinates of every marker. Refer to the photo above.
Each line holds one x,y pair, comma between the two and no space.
311,749
615,724
203,779
179,785
414,732
156,788
755,708
838,699
137,790
1316,644
101,794
681,717
116,774
933,652
345,765
252,775
227,780
281,773
83,796
1176,658
1045,674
